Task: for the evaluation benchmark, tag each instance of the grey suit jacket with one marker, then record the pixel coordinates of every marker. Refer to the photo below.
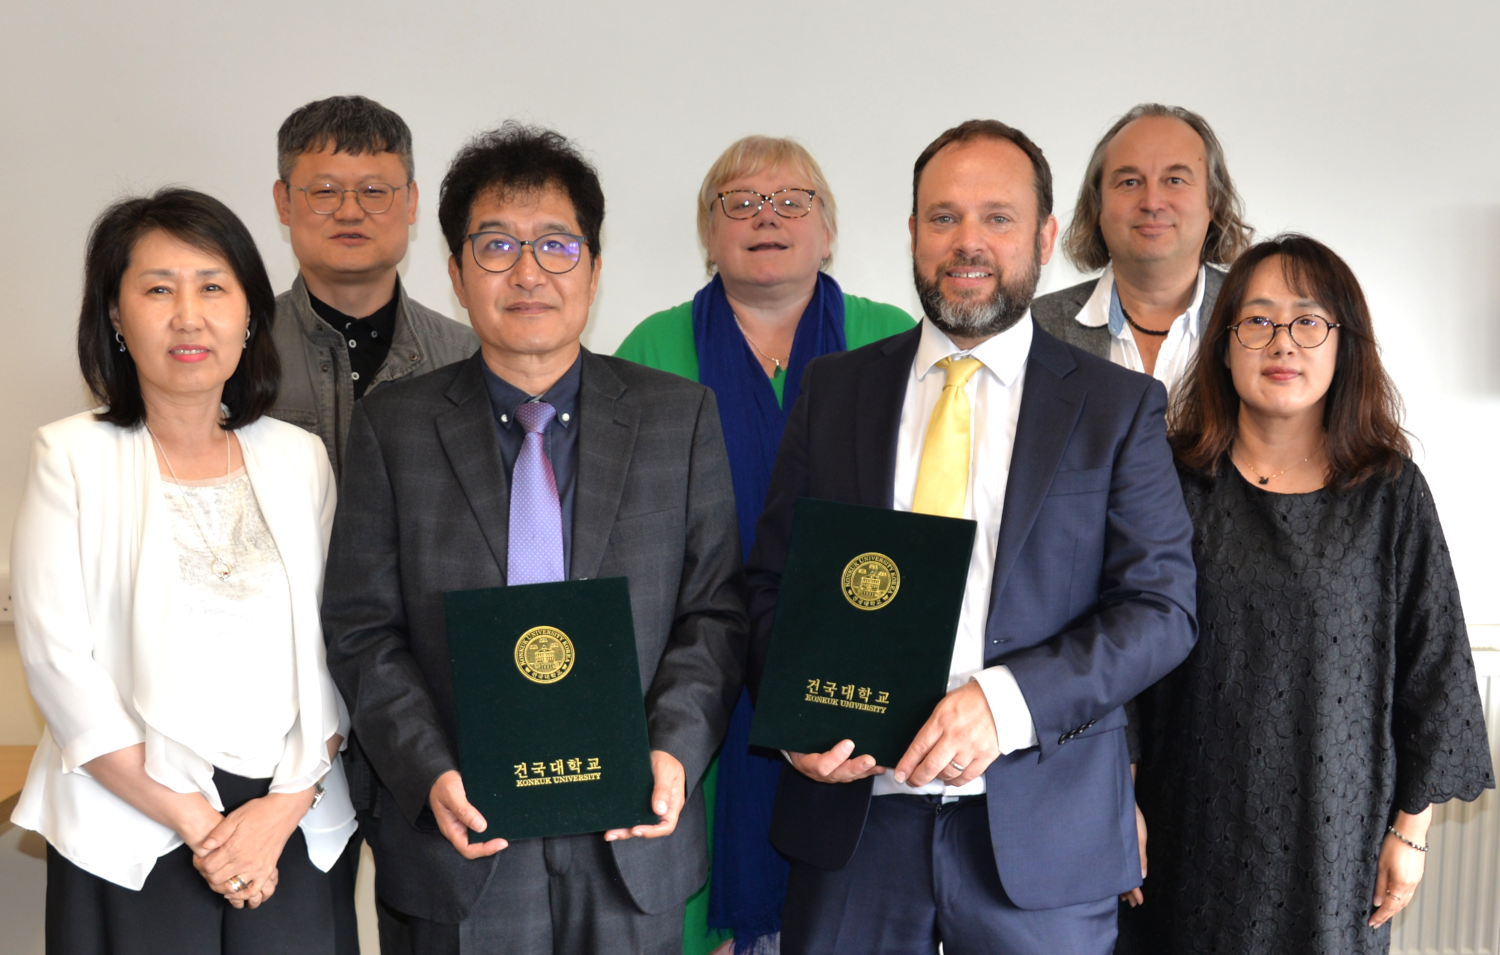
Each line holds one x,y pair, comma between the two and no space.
1057,313
424,508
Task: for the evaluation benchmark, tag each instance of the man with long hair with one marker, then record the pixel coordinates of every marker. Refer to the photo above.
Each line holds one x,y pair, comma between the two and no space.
1157,212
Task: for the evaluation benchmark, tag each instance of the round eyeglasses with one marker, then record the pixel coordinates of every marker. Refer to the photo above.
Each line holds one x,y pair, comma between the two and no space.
1305,331
324,198
747,203
555,252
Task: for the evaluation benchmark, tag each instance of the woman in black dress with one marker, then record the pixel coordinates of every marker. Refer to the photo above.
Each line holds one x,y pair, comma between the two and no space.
1289,765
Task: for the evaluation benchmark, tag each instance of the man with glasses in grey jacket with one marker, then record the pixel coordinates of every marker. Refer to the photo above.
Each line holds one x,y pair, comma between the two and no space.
345,191
347,194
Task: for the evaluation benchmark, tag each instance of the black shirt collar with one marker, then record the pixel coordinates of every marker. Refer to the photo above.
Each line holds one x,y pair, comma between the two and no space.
382,321
563,395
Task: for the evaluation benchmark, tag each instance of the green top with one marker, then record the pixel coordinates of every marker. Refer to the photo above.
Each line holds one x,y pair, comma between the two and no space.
665,340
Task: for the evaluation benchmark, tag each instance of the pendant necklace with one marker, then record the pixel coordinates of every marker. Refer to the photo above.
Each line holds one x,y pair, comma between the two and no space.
220,567
1264,480
775,361
1142,329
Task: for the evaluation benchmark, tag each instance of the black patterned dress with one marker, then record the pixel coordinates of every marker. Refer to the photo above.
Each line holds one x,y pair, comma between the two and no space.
1332,685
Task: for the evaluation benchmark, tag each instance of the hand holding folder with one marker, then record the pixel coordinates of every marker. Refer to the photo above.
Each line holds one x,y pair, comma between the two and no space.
863,637
551,722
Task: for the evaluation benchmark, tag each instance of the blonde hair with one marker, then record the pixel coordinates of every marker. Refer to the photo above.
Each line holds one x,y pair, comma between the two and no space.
1228,235
753,154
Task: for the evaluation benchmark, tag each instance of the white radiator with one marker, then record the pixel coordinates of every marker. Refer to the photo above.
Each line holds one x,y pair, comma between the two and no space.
1457,907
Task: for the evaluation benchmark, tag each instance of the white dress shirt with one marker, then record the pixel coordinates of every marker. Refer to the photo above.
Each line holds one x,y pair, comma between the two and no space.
994,394
1103,308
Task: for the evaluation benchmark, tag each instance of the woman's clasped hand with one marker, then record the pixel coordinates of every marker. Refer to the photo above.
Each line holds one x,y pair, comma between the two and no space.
244,847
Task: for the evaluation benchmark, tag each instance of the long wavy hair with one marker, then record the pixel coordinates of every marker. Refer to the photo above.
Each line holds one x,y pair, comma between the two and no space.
1228,235
1362,413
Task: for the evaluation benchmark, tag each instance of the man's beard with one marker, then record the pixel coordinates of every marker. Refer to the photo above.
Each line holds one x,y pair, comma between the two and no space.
973,317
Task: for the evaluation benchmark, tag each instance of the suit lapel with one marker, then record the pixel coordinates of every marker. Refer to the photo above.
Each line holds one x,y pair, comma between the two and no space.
607,426
1093,339
154,587
1213,281
1050,406
877,417
467,432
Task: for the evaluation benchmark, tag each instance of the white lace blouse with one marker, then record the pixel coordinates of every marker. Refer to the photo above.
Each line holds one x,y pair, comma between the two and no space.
238,628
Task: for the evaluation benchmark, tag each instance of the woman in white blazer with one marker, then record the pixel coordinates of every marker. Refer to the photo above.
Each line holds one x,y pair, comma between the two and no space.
167,568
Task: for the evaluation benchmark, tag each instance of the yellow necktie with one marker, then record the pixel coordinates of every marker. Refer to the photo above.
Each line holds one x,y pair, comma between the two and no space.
943,475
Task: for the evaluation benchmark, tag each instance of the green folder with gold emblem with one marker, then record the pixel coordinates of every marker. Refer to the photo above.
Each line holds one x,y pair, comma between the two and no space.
865,621
551,723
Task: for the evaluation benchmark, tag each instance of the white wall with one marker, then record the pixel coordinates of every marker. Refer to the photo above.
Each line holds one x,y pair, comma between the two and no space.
1369,125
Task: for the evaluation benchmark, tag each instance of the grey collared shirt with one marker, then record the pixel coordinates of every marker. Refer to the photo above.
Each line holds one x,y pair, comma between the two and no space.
560,439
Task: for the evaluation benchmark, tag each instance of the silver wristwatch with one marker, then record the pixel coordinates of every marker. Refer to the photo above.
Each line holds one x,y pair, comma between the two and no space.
319,791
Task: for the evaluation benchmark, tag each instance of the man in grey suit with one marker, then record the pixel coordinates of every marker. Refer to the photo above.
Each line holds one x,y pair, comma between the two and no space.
534,460
1156,211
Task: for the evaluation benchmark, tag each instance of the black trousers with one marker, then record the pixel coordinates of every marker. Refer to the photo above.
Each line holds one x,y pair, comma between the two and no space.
176,913
924,873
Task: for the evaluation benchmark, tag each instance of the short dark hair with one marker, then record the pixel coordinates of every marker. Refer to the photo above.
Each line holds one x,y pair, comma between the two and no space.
356,125
1362,413
518,159
992,129
204,223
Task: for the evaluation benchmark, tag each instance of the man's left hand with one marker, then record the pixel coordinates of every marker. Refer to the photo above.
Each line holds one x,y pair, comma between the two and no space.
956,744
666,799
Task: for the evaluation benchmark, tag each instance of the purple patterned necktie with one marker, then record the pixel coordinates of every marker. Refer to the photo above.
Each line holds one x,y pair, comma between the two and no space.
536,545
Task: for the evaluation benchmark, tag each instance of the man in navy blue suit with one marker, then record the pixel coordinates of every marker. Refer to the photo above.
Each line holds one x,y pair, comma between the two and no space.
1008,826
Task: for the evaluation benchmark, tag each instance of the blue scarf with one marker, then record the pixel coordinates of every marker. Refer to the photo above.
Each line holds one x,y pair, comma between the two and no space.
749,879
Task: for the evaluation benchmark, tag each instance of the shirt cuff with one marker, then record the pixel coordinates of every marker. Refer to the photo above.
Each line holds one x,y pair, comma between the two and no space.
97,742
1013,726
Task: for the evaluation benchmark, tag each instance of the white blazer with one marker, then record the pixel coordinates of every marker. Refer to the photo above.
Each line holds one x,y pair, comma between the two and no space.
94,568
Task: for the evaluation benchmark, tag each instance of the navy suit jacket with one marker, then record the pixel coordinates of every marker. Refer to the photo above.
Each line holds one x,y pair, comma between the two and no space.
1093,600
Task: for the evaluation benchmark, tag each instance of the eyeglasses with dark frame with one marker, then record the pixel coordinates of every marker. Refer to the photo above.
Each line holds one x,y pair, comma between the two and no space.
324,198
747,203
555,252
1305,331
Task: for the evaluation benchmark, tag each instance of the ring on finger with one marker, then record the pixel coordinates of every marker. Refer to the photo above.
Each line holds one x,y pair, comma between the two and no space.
238,884
954,764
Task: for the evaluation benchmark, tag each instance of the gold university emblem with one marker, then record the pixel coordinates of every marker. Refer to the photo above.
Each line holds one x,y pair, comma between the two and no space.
871,581
544,655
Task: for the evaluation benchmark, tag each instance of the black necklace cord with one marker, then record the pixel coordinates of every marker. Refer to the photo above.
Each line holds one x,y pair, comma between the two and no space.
1141,329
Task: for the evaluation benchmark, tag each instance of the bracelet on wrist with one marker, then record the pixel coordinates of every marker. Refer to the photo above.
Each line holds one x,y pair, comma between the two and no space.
1397,833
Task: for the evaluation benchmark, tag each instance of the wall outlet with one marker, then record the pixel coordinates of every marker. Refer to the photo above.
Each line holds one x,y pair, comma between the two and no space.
7,606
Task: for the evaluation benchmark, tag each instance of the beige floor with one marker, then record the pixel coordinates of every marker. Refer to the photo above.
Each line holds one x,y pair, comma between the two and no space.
23,887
